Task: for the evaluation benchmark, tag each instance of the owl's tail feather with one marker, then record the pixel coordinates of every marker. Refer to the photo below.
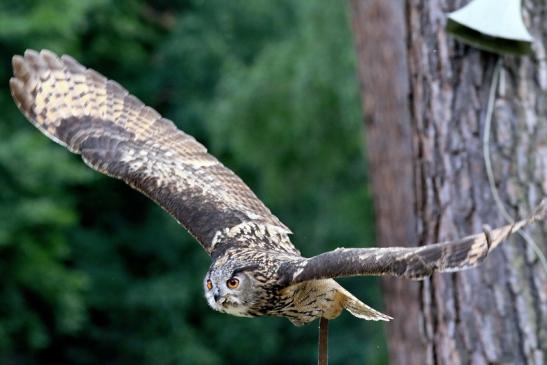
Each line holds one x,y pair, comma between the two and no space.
361,310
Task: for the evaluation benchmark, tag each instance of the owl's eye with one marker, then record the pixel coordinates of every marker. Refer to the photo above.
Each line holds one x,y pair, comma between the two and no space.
232,283
209,284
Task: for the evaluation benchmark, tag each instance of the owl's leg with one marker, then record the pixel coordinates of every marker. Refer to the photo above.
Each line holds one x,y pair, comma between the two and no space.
323,341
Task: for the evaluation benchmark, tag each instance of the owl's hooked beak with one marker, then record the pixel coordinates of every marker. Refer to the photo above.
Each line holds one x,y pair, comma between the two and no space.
218,299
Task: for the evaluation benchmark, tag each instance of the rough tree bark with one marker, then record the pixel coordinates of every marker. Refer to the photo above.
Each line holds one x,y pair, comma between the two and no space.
424,98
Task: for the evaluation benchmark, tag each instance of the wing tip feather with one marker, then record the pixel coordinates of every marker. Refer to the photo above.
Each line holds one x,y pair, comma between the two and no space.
31,52
20,68
33,59
51,59
19,95
92,74
72,65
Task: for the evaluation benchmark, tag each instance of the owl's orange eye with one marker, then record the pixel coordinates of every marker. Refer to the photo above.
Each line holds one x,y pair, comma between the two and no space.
209,284
232,283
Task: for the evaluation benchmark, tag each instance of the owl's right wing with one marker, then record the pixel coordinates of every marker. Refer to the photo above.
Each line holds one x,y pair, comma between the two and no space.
409,262
116,134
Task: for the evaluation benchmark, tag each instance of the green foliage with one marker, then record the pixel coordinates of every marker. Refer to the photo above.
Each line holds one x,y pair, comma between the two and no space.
91,271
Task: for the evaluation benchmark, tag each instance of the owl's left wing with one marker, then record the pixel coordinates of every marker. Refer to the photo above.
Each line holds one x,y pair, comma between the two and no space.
117,134
409,262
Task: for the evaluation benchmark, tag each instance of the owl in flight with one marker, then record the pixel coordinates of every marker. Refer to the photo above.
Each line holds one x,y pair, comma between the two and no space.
255,270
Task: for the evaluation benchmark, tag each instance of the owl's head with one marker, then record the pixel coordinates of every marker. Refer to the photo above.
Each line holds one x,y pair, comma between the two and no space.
231,289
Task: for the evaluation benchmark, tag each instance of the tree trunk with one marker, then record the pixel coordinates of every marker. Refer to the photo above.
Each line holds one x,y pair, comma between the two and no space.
424,98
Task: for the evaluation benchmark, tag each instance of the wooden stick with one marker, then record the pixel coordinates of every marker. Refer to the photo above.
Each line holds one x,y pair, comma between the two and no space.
323,342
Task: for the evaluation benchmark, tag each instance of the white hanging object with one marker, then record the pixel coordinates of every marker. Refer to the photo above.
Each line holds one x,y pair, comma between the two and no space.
494,25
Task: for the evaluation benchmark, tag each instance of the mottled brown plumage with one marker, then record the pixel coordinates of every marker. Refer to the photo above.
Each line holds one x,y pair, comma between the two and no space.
255,268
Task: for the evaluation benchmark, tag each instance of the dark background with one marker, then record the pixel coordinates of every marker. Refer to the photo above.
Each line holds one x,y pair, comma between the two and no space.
92,272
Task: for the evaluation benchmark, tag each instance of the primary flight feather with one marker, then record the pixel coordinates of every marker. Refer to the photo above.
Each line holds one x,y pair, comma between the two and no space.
255,268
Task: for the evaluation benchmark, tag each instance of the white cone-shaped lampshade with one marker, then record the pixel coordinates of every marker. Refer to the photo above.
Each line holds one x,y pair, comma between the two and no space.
495,25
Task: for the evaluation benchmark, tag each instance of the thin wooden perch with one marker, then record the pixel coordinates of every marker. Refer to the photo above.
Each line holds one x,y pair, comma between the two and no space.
323,342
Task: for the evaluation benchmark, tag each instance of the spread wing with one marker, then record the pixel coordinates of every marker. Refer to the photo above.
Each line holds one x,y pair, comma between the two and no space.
410,262
118,135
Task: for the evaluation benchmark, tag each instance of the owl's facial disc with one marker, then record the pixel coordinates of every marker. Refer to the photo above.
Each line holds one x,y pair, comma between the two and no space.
229,291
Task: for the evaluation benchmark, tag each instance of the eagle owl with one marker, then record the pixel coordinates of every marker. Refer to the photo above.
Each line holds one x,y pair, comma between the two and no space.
255,270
